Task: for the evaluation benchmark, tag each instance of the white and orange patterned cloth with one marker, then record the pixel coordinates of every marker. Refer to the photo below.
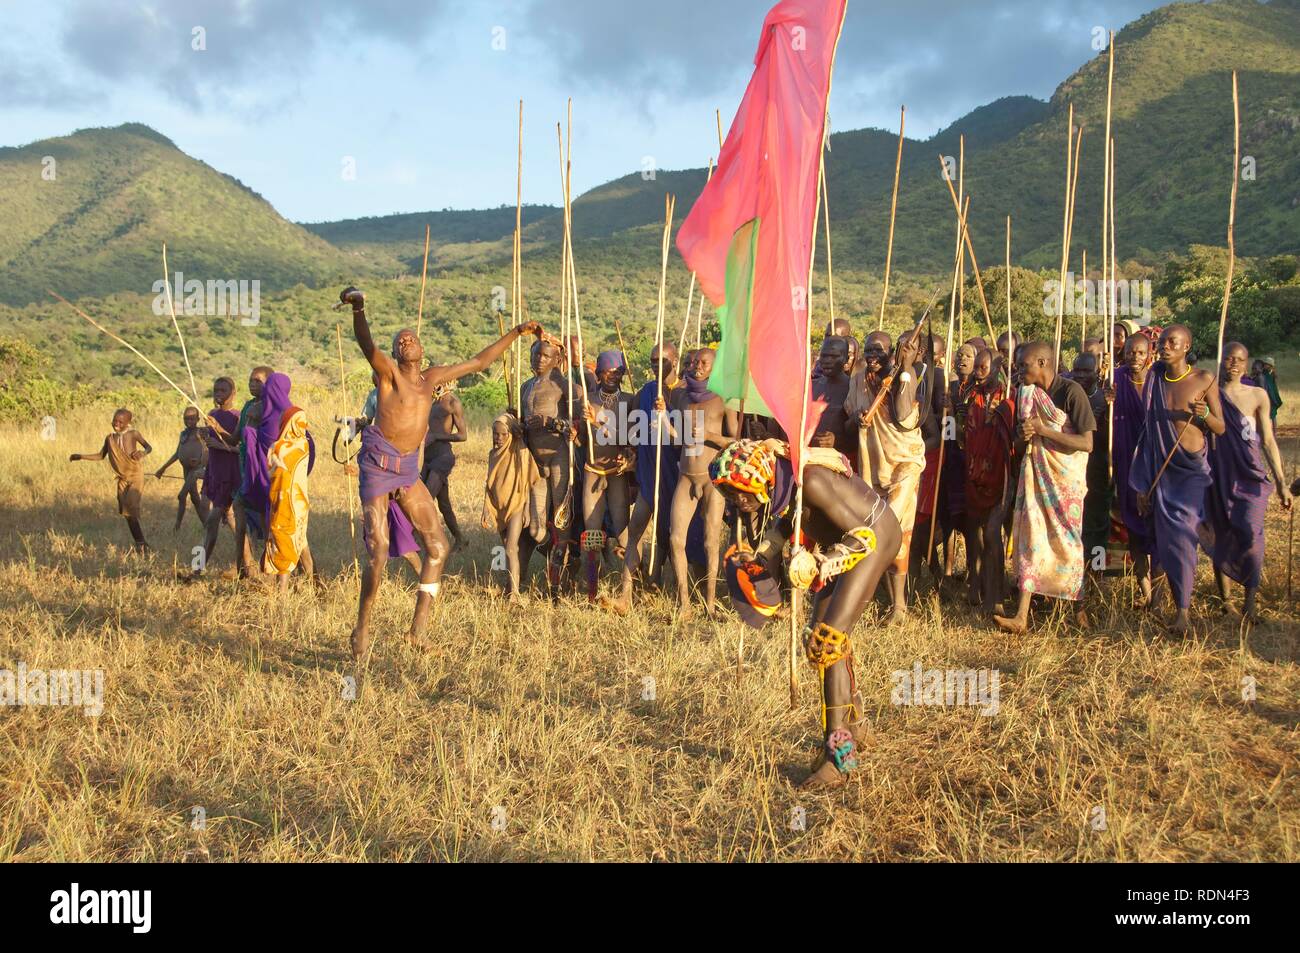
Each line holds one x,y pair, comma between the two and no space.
287,528
1048,529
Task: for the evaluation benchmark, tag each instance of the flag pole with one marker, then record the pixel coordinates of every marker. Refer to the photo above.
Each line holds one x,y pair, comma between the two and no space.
1011,348
893,207
806,380
830,276
690,294
1232,215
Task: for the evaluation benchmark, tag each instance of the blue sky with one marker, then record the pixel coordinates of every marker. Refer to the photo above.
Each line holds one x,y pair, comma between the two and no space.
423,94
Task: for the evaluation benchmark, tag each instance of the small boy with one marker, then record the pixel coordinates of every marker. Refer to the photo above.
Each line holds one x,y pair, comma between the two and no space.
192,454
125,447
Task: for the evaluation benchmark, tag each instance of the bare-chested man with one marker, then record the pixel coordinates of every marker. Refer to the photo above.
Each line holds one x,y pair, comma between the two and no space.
832,387
609,459
446,427
1183,408
388,462
857,537
644,438
125,447
548,432
1238,498
701,415
192,454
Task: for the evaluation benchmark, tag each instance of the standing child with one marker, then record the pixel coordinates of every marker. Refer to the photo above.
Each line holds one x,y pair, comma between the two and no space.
125,447
192,454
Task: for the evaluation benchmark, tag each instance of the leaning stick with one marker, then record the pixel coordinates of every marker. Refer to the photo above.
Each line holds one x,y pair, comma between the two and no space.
659,376
1107,262
1083,318
1011,350
830,275
167,284
893,207
188,399
1065,232
718,113
1290,535
573,291
1232,211
970,250
1111,305
952,316
622,351
517,307
1071,186
699,311
424,274
961,261
690,295
352,514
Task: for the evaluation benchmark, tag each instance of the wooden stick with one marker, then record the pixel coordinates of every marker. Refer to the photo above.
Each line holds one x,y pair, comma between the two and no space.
1110,311
576,310
347,406
1083,319
1011,338
1290,532
627,371
659,377
830,275
1069,237
1065,232
970,250
171,305
952,315
718,114
893,208
424,274
1107,265
961,263
517,291
1232,213
214,424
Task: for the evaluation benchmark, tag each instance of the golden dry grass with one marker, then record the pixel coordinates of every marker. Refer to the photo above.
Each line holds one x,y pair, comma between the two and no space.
222,698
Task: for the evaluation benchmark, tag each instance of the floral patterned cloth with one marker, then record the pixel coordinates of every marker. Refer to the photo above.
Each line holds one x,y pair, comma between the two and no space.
1048,531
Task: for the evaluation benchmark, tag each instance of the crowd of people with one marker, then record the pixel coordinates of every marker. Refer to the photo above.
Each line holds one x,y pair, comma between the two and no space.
1062,475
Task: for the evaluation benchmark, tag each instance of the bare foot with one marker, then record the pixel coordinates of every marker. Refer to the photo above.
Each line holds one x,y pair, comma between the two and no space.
1180,625
974,599
360,645
1081,618
896,614
1013,624
620,606
824,778
685,611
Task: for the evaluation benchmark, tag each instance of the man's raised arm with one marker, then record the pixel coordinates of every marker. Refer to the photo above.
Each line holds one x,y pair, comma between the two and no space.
380,361
479,362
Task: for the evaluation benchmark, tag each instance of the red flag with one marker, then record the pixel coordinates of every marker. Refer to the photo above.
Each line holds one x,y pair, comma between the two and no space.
759,209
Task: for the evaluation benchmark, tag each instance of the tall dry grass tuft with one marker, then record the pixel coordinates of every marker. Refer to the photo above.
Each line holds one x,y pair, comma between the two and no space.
559,733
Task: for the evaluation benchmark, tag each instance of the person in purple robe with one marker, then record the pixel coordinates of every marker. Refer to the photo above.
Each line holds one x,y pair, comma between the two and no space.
1237,499
1171,470
1130,399
259,437
221,477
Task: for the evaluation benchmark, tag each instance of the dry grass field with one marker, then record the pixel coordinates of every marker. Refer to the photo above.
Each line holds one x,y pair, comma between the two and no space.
527,735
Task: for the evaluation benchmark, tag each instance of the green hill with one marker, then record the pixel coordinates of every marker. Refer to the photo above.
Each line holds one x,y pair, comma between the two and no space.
97,225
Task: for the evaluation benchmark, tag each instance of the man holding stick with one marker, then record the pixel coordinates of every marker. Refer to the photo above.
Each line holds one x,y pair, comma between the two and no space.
389,459
1183,407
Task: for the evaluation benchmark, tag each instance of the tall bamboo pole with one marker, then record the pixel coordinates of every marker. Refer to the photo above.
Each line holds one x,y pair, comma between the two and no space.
830,274
659,377
167,284
347,407
1065,232
1107,265
1011,338
961,263
424,274
1083,317
1232,215
952,316
893,208
970,250
1110,311
699,310
517,307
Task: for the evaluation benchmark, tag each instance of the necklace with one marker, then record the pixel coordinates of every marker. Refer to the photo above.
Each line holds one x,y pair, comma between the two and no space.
1175,380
